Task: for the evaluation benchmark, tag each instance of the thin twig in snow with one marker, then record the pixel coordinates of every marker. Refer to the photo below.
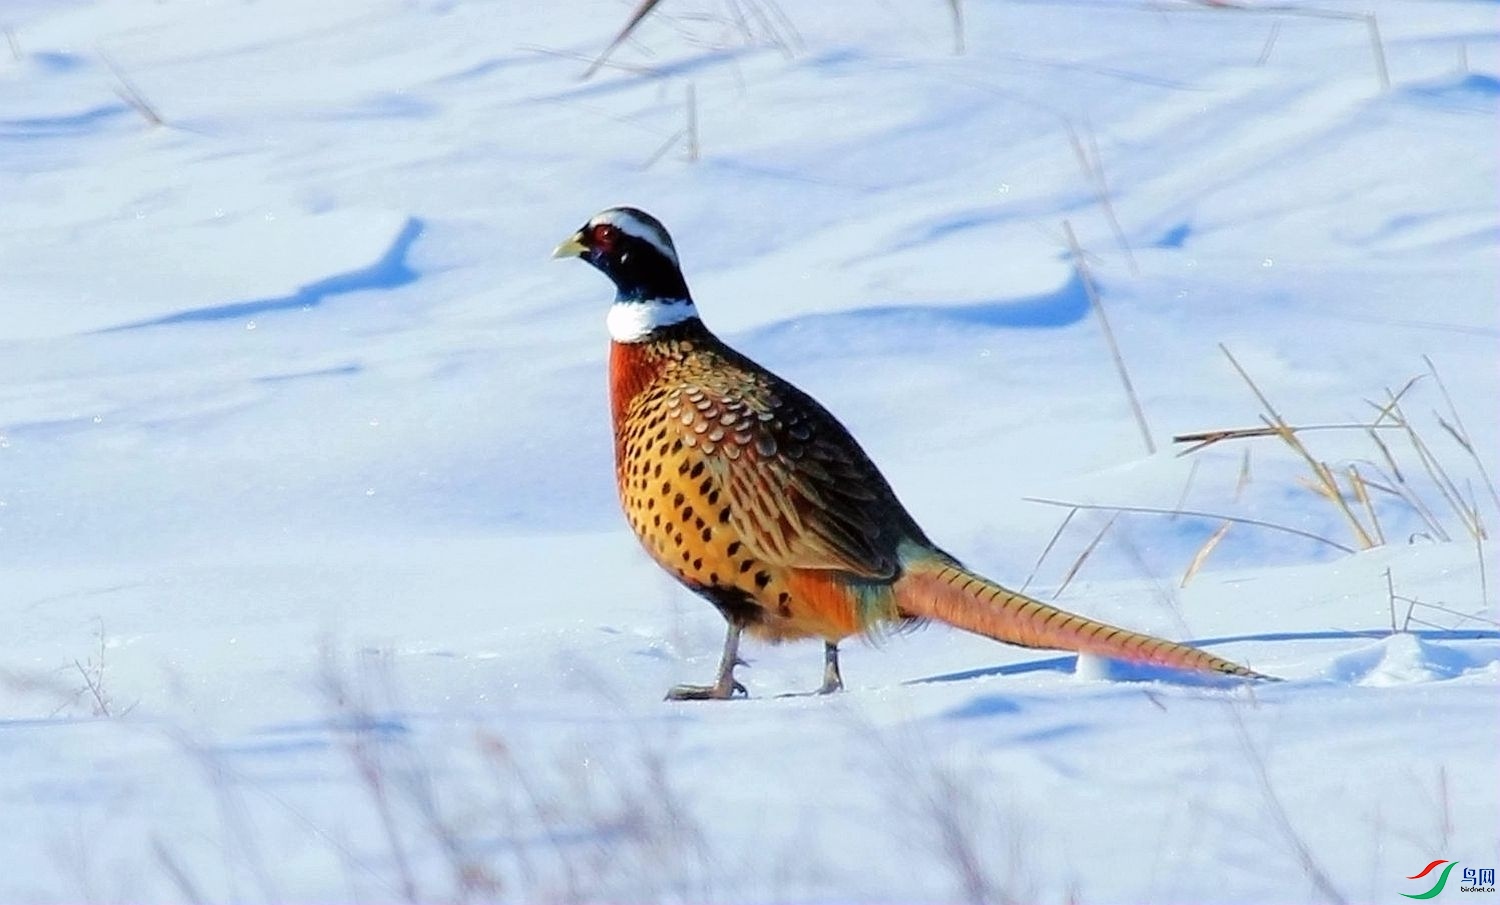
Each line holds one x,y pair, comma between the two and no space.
1082,268
1377,48
1083,557
1148,510
1048,549
1265,51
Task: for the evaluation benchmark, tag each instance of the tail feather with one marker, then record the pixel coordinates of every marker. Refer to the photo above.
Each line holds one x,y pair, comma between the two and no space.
939,588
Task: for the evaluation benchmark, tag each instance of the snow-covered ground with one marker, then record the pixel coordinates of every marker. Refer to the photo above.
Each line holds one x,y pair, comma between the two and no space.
315,585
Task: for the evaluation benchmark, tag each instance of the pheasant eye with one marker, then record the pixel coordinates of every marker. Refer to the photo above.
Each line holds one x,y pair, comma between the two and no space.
605,235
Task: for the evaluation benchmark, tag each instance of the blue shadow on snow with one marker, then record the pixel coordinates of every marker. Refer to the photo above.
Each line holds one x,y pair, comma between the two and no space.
389,272
34,127
1175,237
1474,83
1065,663
56,61
1058,308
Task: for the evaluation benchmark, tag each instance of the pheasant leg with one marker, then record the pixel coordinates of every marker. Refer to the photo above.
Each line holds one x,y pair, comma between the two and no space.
832,680
725,686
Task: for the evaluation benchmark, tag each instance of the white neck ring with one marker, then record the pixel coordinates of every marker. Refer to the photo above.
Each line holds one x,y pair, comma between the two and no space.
633,322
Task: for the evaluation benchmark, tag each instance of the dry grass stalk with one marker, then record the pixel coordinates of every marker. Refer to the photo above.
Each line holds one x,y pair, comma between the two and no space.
1265,50
1462,616
692,122
91,670
1387,478
1460,432
1279,817
1202,555
131,95
1244,478
1361,493
1377,49
661,151
1435,470
1372,27
1484,581
1048,549
1390,597
1093,168
175,871
688,133
946,812
955,7
1081,266
1397,487
1187,485
1148,510
1320,471
1315,487
636,17
1208,438
776,28
1385,453
1446,825
1384,411
15,45
1083,557
632,68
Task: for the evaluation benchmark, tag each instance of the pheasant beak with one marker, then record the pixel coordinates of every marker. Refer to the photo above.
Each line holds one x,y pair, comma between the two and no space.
572,247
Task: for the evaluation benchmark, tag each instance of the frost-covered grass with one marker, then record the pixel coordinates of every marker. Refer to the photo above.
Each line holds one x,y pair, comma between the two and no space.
316,588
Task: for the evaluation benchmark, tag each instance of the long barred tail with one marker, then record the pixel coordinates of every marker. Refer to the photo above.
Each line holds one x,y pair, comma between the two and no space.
935,587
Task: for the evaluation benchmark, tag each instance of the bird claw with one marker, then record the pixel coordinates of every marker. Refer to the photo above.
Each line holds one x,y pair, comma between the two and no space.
717,692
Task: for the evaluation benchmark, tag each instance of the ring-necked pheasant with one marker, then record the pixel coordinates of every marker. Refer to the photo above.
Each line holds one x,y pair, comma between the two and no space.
754,496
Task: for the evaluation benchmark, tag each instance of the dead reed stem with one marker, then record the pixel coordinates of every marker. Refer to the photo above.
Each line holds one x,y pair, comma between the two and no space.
1320,471
1083,557
1210,437
1377,49
636,17
1265,50
1148,510
692,122
1279,817
1202,555
1460,432
955,7
1048,549
1092,165
1082,268
132,95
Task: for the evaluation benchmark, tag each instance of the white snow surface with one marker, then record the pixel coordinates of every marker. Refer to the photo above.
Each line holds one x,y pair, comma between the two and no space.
316,588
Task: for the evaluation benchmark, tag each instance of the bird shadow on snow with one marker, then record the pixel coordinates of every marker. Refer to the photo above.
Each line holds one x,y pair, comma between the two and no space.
390,271
1430,659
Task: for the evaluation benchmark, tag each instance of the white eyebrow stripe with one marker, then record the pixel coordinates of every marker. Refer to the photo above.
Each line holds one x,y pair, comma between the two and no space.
632,225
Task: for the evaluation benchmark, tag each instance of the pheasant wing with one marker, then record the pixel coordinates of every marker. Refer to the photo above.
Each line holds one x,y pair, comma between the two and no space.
801,492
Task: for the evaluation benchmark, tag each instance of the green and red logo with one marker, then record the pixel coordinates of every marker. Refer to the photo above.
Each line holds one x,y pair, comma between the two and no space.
1475,879
1437,887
